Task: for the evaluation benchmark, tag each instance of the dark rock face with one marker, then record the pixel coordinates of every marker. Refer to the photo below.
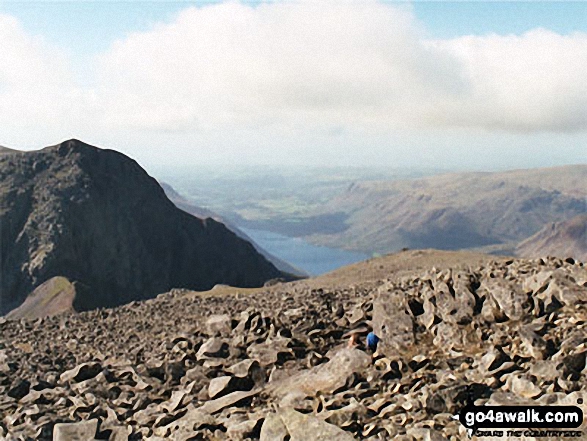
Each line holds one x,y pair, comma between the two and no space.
97,218
185,205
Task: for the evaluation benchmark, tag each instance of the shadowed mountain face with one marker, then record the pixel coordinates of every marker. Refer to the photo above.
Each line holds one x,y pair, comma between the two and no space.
456,211
98,219
185,205
564,239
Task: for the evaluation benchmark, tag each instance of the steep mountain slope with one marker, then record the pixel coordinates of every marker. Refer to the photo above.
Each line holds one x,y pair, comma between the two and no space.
185,205
55,296
98,219
456,211
563,239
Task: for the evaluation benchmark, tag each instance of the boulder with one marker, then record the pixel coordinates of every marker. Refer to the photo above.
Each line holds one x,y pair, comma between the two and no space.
82,431
248,369
221,386
214,347
303,427
274,429
82,372
219,324
392,323
506,299
185,427
325,377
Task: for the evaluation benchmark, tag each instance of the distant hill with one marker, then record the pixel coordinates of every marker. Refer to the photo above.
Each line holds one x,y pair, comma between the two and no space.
97,219
561,239
455,211
185,205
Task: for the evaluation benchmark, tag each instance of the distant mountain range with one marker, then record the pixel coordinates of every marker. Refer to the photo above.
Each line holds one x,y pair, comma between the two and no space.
487,211
97,220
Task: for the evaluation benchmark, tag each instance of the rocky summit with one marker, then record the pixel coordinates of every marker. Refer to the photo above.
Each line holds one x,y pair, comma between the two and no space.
95,218
275,364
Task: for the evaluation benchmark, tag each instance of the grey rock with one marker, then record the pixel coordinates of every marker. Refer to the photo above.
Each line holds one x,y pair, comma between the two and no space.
233,398
326,377
221,386
274,429
392,322
156,368
82,431
82,372
250,369
303,427
212,348
220,324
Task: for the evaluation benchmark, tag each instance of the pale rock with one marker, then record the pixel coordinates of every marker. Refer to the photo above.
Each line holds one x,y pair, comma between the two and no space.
82,431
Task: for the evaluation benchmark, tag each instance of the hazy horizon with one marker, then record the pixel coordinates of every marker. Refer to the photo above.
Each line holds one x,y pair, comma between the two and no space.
447,85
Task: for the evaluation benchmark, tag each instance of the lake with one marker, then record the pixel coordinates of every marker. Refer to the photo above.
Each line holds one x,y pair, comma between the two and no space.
312,259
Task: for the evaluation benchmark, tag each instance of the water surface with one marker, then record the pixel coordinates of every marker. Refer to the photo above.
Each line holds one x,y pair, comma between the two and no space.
312,259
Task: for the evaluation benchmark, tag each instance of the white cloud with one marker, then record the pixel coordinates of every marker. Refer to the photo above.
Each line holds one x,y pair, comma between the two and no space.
531,82
225,73
357,64
37,91
291,64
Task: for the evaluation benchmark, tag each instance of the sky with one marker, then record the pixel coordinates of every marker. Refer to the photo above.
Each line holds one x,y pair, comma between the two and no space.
481,85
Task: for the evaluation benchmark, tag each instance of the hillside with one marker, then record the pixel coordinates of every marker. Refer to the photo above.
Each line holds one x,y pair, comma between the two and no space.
567,238
455,211
6,150
184,204
96,218
274,363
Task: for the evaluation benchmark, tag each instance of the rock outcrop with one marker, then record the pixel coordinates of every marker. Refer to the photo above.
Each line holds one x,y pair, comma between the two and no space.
54,296
275,365
98,219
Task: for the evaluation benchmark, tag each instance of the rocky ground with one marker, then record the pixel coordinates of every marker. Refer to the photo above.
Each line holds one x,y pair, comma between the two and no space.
274,364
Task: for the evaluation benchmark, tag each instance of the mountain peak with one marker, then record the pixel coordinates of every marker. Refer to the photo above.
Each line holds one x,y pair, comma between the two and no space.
96,218
72,145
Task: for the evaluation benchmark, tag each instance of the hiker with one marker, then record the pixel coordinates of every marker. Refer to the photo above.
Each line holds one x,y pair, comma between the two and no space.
372,341
353,340
355,335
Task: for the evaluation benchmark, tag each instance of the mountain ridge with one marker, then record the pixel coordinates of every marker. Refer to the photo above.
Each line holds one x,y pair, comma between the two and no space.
97,218
567,238
184,204
455,211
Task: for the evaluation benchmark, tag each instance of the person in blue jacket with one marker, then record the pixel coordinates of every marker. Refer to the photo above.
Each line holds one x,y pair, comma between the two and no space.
372,341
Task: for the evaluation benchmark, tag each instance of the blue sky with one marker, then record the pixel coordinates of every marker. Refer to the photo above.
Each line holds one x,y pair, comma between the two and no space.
477,84
91,26
452,19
